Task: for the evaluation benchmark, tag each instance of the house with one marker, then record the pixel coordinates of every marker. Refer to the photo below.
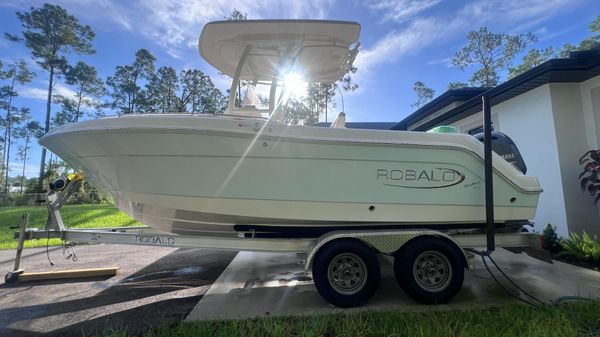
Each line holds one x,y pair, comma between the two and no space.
552,113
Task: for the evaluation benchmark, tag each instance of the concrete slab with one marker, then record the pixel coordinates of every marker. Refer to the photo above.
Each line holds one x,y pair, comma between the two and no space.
153,285
265,284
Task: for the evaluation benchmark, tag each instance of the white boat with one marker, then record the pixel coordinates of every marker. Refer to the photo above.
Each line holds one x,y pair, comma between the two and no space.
235,174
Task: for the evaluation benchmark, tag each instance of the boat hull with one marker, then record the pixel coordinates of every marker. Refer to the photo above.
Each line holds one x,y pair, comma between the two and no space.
197,174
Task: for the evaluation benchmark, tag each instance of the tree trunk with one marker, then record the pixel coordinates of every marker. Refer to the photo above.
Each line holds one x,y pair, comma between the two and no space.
24,161
6,133
326,99
78,105
46,129
7,159
194,101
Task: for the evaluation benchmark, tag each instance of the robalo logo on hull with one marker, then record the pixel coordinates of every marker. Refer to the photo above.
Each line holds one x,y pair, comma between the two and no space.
438,177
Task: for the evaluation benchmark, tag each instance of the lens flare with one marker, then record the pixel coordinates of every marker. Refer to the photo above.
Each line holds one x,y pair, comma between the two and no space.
294,84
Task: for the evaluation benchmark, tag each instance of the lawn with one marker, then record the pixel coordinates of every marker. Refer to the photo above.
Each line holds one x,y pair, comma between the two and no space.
580,319
76,216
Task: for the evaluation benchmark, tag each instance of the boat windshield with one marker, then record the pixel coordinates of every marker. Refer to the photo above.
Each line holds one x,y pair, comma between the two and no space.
263,98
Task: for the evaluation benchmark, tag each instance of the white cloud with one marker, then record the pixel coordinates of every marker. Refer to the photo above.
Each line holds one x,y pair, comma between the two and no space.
176,25
62,90
421,32
34,93
446,61
42,93
400,10
516,15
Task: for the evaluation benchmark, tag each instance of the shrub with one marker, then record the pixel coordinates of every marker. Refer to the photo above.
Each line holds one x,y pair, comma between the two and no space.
584,247
551,240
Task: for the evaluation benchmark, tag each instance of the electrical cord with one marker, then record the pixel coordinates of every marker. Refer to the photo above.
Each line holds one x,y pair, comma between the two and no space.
572,298
502,285
48,249
514,284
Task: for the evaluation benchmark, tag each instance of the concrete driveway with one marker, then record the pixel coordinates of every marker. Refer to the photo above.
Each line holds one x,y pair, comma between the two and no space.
153,284
263,284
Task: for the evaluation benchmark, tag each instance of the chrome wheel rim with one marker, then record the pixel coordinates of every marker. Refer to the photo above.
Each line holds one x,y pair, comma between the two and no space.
347,273
432,271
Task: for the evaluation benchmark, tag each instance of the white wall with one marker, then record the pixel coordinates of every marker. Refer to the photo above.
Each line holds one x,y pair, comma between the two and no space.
572,141
590,103
529,121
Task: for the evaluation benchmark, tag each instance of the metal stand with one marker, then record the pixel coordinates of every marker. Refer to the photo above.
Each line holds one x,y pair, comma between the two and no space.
54,224
55,201
488,173
13,275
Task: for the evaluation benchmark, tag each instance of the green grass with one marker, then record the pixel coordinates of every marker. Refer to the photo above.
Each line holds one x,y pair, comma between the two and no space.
75,216
580,319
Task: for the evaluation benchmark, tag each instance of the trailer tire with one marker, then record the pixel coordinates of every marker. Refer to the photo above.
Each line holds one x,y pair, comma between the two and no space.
346,272
430,270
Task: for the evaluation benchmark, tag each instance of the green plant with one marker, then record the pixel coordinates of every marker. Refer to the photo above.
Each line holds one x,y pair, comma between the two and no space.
582,247
551,240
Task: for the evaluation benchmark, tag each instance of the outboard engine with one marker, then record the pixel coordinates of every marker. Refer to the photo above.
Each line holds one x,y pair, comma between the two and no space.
505,148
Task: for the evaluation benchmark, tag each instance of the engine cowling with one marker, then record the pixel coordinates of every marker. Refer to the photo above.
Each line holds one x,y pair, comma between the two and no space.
506,148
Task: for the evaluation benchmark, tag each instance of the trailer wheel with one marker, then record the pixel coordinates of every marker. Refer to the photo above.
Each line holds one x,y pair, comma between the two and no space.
346,272
430,270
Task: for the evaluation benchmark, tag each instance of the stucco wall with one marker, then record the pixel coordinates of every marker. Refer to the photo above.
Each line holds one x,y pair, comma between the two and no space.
590,103
529,121
572,142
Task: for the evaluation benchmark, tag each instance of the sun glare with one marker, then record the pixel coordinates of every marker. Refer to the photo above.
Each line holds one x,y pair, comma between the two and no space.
294,83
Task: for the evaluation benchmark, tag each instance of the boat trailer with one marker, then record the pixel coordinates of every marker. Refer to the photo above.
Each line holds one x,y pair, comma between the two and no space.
428,264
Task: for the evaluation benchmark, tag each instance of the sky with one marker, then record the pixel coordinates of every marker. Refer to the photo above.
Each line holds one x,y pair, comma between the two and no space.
402,41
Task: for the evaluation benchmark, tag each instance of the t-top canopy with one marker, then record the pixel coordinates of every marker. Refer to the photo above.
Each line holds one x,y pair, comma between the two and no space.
319,49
